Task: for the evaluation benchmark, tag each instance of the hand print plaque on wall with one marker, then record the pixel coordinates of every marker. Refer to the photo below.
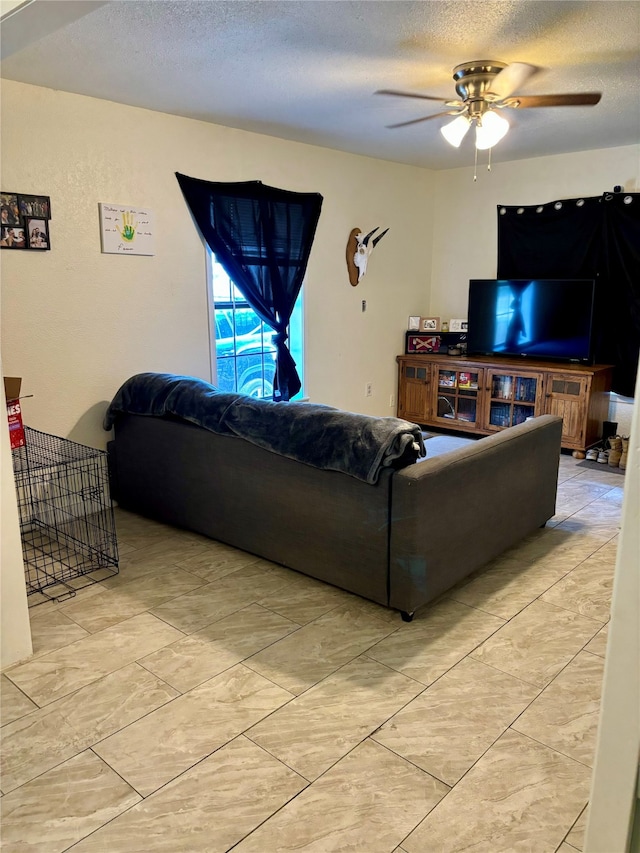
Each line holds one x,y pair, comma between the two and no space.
126,230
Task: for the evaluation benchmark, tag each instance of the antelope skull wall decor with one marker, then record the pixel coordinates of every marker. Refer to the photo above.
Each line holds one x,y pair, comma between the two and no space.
359,249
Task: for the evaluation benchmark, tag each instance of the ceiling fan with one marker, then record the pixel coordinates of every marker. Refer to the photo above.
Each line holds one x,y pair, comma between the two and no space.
485,87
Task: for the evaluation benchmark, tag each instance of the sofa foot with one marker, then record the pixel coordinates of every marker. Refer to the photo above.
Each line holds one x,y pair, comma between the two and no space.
407,617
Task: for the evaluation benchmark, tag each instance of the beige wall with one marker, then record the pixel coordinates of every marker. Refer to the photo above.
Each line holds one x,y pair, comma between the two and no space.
615,795
465,232
15,636
76,323
465,219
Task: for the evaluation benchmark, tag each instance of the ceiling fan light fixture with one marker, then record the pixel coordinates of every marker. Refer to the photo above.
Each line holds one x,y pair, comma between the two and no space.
490,130
456,130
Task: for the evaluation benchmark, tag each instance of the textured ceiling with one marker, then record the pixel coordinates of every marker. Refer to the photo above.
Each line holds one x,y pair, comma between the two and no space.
307,70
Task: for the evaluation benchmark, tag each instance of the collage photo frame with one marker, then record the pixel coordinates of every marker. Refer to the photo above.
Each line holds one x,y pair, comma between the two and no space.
24,221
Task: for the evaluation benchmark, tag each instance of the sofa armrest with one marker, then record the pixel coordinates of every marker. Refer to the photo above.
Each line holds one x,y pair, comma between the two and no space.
453,513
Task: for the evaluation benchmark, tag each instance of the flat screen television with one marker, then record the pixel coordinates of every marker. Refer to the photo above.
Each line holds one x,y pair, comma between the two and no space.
538,318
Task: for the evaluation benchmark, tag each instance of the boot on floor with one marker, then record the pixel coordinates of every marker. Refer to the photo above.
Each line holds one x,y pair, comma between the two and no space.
625,452
615,450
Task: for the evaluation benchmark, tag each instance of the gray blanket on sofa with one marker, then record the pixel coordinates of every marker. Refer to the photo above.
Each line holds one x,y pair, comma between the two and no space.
321,436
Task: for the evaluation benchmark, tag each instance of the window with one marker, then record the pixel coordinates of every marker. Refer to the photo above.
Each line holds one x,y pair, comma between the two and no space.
244,352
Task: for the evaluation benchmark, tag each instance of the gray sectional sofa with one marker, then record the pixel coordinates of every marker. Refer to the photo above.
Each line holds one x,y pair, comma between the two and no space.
399,541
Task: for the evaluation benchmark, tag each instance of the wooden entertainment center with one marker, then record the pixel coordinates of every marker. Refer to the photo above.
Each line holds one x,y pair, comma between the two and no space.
483,394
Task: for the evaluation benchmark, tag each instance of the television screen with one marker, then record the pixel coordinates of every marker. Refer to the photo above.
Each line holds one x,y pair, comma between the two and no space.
540,318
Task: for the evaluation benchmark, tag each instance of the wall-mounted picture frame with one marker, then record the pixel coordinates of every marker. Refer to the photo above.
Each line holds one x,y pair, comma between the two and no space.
458,326
429,324
13,237
34,206
414,324
37,233
9,209
24,220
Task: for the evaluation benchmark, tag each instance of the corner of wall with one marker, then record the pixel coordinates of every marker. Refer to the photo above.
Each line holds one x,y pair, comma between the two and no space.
15,632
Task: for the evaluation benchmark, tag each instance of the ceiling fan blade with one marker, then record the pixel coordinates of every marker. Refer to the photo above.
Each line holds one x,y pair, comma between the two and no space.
511,78
408,95
578,99
426,118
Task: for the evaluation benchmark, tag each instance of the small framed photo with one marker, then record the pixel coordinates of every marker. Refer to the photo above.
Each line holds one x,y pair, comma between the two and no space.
429,324
35,205
37,233
458,326
414,324
13,237
9,209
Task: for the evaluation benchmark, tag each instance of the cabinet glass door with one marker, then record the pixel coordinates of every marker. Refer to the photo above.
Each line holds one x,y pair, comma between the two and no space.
514,397
457,395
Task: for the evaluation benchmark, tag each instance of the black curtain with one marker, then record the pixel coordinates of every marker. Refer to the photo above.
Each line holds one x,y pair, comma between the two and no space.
596,238
262,236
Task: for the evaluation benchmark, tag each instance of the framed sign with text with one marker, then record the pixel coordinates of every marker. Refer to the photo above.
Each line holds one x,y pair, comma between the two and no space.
421,343
126,230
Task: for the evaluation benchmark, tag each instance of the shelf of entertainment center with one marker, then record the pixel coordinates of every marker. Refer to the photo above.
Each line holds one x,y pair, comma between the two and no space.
484,394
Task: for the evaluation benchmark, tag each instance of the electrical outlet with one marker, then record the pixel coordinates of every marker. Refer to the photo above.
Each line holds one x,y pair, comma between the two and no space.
392,401
368,389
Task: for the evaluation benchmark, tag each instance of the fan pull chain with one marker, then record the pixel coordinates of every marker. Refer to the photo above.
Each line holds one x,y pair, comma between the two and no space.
489,163
475,164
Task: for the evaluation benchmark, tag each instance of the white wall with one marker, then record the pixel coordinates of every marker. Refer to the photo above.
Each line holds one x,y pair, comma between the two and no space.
77,323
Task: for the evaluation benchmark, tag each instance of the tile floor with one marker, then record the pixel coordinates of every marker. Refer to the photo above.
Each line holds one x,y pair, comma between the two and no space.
205,700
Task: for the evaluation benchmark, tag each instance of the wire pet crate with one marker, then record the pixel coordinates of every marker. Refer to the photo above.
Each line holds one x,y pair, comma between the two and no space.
67,523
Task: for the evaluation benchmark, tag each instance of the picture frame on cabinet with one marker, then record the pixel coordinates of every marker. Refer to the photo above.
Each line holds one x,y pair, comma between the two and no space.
414,324
458,325
429,324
